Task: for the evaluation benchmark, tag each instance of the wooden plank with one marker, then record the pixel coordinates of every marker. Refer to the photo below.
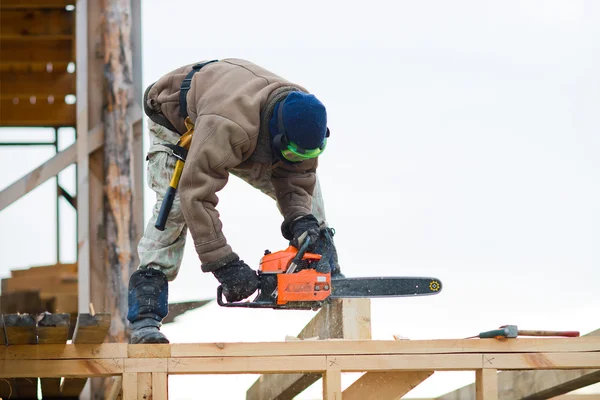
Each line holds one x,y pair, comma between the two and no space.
32,22
160,386
61,368
45,270
130,386
486,384
21,329
52,329
385,385
144,386
345,318
40,84
332,384
90,329
149,351
46,171
52,50
56,284
64,352
38,66
44,4
349,347
245,365
146,365
39,114
459,362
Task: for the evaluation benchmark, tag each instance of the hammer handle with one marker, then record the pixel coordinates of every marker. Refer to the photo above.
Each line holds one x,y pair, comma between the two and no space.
549,333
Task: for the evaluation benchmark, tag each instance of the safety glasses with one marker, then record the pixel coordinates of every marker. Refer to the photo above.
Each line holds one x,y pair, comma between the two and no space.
294,153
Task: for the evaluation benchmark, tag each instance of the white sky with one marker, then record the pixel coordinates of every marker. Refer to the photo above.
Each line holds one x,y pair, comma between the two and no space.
465,141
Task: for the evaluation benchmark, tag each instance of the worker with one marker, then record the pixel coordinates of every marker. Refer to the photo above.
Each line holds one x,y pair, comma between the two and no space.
244,120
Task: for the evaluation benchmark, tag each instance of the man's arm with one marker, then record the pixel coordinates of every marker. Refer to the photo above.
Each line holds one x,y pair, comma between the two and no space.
294,186
217,145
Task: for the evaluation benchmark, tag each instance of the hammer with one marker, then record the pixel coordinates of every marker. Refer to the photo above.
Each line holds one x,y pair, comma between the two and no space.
511,331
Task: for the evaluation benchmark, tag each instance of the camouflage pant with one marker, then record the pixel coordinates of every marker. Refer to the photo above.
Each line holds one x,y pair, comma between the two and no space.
163,250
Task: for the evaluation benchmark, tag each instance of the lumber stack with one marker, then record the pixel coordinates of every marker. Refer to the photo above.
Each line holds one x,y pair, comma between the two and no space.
49,288
38,330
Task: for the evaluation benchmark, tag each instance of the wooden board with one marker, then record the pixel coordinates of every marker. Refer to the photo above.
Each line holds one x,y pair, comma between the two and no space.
21,329
52,284
346,318
40,84
89,330
52,329
35,22
24,302
486,384
50,50
332,384
40,114
45,270
12,4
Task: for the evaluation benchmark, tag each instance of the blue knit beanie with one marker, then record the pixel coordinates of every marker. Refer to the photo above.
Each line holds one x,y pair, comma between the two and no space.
304,120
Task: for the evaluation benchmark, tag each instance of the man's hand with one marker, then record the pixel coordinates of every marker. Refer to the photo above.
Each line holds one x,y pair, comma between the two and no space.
306,226
237,279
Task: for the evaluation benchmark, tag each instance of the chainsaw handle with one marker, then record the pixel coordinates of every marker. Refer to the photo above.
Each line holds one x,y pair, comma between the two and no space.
302,250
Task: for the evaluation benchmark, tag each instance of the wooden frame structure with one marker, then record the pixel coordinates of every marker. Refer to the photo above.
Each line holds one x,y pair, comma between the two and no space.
393,367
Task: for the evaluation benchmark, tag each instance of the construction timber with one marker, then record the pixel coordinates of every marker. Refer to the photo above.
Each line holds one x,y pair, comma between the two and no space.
392,367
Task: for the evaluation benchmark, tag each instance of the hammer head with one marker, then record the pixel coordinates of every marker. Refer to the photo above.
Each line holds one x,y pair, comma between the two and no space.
511,331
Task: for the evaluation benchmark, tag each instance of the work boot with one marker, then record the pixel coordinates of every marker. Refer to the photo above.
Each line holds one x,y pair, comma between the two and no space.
329,258
148,305
238,280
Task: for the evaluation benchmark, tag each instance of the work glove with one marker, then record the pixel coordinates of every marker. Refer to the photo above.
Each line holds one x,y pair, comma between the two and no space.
238,280
303,227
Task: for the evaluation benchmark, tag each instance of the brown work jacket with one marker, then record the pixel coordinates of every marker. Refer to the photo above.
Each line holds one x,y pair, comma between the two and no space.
230,102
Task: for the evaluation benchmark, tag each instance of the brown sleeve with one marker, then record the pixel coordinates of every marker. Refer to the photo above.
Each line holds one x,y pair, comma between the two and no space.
217,145
294,185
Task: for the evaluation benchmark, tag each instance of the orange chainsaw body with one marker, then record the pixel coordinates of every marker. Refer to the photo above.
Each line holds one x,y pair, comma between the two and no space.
303,285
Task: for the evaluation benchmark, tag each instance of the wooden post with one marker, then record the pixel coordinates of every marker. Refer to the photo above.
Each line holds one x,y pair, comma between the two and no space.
118,162
332,384
486,384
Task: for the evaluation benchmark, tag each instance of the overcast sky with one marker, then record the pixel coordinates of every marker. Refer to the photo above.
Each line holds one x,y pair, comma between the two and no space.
464,145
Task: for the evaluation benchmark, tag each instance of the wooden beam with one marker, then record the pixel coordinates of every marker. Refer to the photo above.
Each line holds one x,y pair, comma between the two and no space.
70,369
46,171
23,84
64,352
342,319
332,384
30,23
45,270
59,283
83,210
53,50
246,365
52,329
43,4
385,347
385,385
21,329
40,114
486,384
116,388
546,383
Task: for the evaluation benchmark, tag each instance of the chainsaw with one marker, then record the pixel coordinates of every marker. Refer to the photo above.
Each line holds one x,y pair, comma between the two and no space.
292,279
